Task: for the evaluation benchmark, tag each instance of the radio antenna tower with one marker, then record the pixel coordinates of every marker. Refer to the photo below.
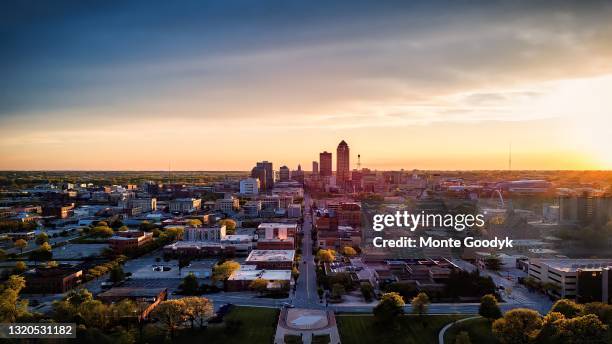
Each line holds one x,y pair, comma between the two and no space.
510,157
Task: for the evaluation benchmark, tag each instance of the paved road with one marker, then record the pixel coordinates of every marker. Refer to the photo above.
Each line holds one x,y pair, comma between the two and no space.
306,292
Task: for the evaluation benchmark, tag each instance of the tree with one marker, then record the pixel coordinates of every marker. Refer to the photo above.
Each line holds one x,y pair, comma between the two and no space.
489,308
20,267
102,232
259,285
602,310
122,229
171,313
390,307
11,306
21,244
337,291
583,329
94,314
182,263
41,238
117,274
568,308
493,262
190,285
194,223
198,308
420,303
518,326
78,296
230,225
326,256
43,253
222,272
349,251
367,291
52,264
463,338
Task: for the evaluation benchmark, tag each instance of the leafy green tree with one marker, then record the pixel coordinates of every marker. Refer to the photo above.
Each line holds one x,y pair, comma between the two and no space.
117,274
171,313
568,308
230,225
420,304
326,256
349,251
259,285
337,291
518,326
390,307
21,244
41,238
222,272
489,308
194,223
11,306
367,291
182,263
102,232
20,267
198,308
190,285
584,329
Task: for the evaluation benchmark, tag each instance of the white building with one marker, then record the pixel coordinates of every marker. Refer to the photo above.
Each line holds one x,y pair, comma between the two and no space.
565,274
249,186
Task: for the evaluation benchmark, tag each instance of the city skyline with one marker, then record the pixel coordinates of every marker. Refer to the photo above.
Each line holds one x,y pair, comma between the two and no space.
213,86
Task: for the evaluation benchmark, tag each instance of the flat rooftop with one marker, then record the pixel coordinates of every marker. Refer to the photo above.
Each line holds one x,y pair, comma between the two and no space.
276,225
571,265
253,274
271,256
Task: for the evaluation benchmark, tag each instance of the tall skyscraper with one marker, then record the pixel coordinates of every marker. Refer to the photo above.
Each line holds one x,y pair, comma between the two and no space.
284,174
264,172
342,163
325,164
315,167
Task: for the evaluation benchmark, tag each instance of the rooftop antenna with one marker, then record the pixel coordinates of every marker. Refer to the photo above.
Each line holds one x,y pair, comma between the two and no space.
169,175
359,162
510,157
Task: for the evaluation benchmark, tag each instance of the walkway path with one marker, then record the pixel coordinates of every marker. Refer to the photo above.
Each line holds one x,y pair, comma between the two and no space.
443,330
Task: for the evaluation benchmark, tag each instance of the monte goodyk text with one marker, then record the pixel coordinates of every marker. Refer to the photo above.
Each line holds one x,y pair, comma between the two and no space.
412,222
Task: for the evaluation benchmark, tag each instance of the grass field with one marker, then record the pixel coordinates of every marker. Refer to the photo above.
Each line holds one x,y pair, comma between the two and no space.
478,329
362,329
242,325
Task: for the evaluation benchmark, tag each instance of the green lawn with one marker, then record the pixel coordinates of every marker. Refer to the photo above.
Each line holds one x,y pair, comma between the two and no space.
246,325
362,329
478,329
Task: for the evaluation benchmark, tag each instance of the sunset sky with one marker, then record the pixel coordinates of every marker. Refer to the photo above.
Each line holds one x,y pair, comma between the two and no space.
221,85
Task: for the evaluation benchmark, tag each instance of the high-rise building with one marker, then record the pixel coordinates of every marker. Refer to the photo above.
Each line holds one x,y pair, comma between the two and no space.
342,163
325,164
263,171
298,175
315,167
284,174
